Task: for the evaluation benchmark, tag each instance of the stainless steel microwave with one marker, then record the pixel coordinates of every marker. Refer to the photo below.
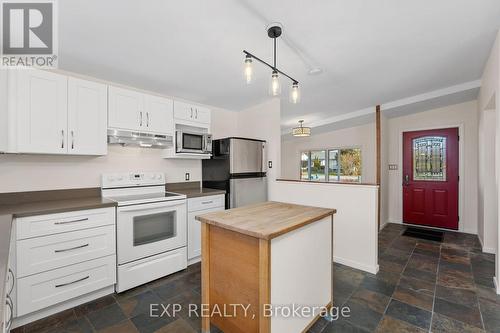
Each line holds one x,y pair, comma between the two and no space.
193,142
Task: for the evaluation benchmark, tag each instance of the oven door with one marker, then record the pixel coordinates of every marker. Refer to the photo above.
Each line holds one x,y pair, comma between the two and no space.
190,142
147,229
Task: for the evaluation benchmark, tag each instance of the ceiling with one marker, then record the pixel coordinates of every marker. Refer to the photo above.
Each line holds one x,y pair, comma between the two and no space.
371,52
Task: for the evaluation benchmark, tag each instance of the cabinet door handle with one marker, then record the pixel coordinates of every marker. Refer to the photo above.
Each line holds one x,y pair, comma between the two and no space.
74,221
11,273
207,202
191,112
140,121
68,283
8,302
196,113
72,248
147,119
72,139
62,139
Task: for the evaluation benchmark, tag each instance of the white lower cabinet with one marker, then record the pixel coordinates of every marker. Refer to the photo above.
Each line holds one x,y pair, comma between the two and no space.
200,206
61,260
42,290
40,254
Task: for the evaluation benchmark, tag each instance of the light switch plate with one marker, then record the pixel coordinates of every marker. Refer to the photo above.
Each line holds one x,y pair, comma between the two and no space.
270,164
393,166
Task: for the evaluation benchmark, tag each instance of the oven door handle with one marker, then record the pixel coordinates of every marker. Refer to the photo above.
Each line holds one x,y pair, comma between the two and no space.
140,207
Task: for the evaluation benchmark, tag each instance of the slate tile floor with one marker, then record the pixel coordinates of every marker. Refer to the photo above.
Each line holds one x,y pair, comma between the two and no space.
422,286
129,311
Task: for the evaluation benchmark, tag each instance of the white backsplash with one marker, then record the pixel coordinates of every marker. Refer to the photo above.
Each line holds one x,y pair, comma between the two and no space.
47,172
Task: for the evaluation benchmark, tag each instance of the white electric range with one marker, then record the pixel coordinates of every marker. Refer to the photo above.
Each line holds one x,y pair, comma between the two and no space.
151,234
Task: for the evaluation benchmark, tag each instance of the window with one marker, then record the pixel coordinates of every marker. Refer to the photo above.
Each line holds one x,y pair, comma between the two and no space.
304,166
332,165
429,158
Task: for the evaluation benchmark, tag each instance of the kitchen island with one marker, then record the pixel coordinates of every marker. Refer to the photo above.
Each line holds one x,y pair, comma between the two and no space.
259,261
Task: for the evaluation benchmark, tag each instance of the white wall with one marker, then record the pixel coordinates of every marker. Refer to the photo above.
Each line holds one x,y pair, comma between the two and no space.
355,234
45,172
487,194
488,103
263,122
465,117
360,136
224,123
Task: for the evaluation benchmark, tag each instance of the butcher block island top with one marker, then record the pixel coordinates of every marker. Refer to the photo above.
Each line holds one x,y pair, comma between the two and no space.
263,255
266,220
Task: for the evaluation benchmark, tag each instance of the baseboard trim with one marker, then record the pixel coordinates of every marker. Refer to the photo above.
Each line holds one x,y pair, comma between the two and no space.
383,225
489,250
363,267
193,260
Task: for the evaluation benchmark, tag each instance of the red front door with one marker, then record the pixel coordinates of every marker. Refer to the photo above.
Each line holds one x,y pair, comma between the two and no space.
430,178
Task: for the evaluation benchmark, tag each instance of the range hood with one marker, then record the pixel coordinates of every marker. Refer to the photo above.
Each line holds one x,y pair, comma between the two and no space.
139,139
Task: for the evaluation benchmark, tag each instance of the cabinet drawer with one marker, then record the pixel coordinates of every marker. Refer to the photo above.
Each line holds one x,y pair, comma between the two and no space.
41,254
202,203
42,290
42,225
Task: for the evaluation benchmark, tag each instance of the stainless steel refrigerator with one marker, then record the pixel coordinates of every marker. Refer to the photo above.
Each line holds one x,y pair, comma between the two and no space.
238,165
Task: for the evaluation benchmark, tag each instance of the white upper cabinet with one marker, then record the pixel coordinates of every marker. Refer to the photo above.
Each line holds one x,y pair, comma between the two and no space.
87,117
126,109
51,113
42,111
133,110
190,113
159,115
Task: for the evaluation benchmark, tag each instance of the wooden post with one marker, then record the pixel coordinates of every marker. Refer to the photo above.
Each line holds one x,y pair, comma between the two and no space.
379,162
264,284
205,273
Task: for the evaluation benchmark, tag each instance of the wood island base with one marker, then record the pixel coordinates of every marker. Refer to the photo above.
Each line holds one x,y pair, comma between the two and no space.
251,284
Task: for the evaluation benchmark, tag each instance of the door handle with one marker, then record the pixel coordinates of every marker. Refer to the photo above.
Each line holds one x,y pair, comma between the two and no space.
140,121
147,119
72,139
191,112
196,113
62,139
406,180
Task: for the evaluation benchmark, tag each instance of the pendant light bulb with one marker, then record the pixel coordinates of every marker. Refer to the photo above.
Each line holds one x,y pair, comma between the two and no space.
248,69
275,87
295,93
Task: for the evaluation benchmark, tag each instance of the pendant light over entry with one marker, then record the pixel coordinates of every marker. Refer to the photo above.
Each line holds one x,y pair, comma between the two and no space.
301,131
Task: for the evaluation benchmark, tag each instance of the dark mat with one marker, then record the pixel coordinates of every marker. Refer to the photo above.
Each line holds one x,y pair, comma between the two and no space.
427,234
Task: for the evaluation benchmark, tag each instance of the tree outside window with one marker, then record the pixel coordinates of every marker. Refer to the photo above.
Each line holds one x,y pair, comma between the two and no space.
333,165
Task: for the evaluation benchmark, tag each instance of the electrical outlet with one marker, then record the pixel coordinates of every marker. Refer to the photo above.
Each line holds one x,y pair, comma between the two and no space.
270,164
393,166
187,176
